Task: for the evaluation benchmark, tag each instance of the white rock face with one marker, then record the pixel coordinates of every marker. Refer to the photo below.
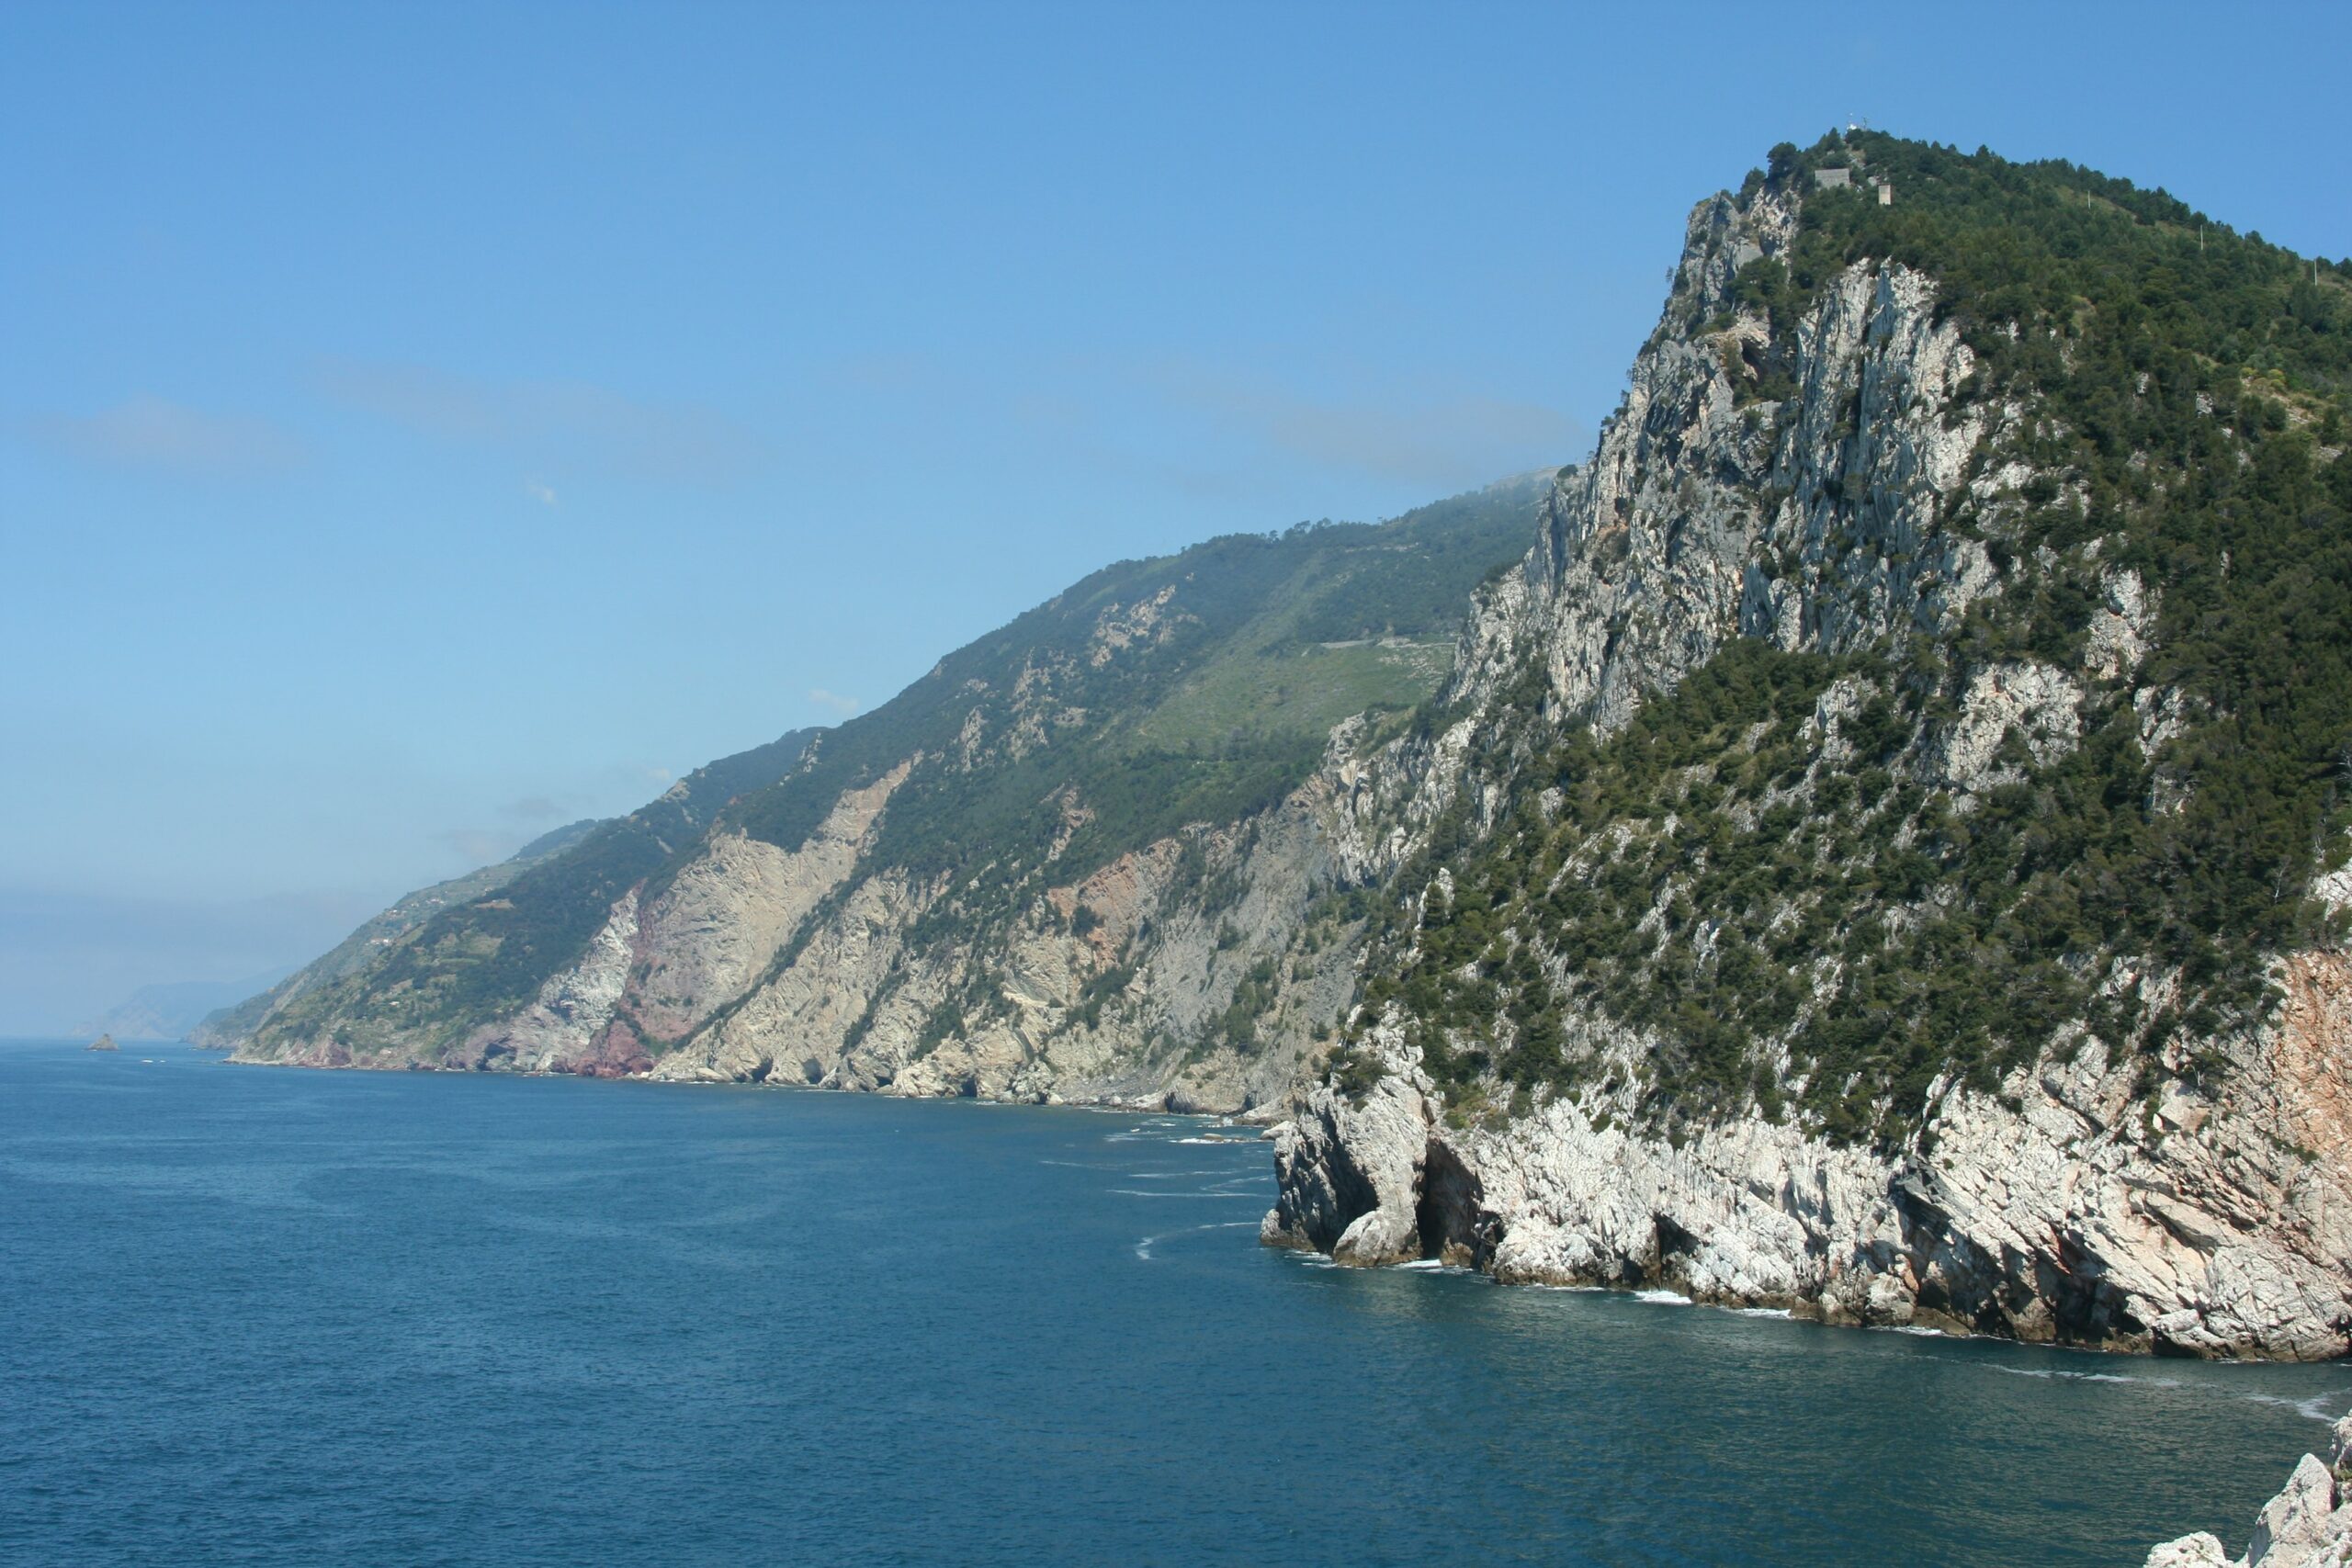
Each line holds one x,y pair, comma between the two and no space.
574,1006
2121,627
1352,1178
2203,1229
2032,704
848,990
2307,1525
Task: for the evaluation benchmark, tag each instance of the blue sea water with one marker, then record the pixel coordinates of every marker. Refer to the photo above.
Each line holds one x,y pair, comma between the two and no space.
270,1317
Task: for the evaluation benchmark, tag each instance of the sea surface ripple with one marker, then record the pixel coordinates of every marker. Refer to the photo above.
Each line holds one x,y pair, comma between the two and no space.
268,1316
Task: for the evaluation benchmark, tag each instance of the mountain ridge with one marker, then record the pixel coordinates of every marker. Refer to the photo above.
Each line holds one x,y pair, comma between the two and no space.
1119,728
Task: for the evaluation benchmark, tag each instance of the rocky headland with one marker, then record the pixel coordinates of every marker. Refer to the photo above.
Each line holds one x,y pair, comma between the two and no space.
1872,847
2190,1199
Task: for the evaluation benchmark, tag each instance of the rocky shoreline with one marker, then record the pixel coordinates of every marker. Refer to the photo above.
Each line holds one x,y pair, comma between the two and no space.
2046,1213
2307,1525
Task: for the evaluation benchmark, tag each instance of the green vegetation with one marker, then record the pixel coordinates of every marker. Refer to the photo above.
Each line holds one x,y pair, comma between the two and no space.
2193,375
1708,870
1211,703
1303,691
231,1024
1151,695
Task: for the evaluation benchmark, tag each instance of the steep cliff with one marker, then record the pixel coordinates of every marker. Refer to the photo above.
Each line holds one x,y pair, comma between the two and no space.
1874,856
1880,852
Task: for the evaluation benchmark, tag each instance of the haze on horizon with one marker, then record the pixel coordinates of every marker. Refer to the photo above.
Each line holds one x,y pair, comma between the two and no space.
410,444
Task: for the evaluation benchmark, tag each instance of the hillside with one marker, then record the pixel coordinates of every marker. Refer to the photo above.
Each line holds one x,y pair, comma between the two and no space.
223,1027
517,905
968,880
1880,855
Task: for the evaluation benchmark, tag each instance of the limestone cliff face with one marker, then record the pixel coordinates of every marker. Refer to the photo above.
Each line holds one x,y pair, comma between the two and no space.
1103,988
2057,1210
2211,1215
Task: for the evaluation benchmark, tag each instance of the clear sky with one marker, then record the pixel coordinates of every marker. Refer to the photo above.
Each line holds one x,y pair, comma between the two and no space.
424,425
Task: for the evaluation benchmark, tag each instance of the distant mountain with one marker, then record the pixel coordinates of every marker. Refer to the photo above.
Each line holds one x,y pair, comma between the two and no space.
171,1010
234,1012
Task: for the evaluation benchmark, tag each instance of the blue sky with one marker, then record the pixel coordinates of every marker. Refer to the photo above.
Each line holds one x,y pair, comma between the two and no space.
424,425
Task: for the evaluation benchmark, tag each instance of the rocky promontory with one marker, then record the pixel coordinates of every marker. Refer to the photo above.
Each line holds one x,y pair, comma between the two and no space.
2307,1525
1795,908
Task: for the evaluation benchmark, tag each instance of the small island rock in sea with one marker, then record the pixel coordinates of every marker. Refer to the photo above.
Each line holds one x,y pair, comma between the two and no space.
103,1043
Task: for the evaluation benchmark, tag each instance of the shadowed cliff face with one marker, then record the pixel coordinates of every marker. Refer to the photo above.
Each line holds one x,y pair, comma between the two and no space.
1548,1109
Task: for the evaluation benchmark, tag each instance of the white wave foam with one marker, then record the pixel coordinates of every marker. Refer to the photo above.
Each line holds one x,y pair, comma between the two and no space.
2059,1373
2312,1408
1663,1297
1137,1193
1143,1247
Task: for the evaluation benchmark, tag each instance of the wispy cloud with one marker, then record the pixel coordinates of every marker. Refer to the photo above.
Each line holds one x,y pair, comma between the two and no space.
1440,441
550,423
834,700
478,847
150,433
543,494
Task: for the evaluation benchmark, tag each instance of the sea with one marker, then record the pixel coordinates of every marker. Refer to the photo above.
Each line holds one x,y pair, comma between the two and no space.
264,1316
